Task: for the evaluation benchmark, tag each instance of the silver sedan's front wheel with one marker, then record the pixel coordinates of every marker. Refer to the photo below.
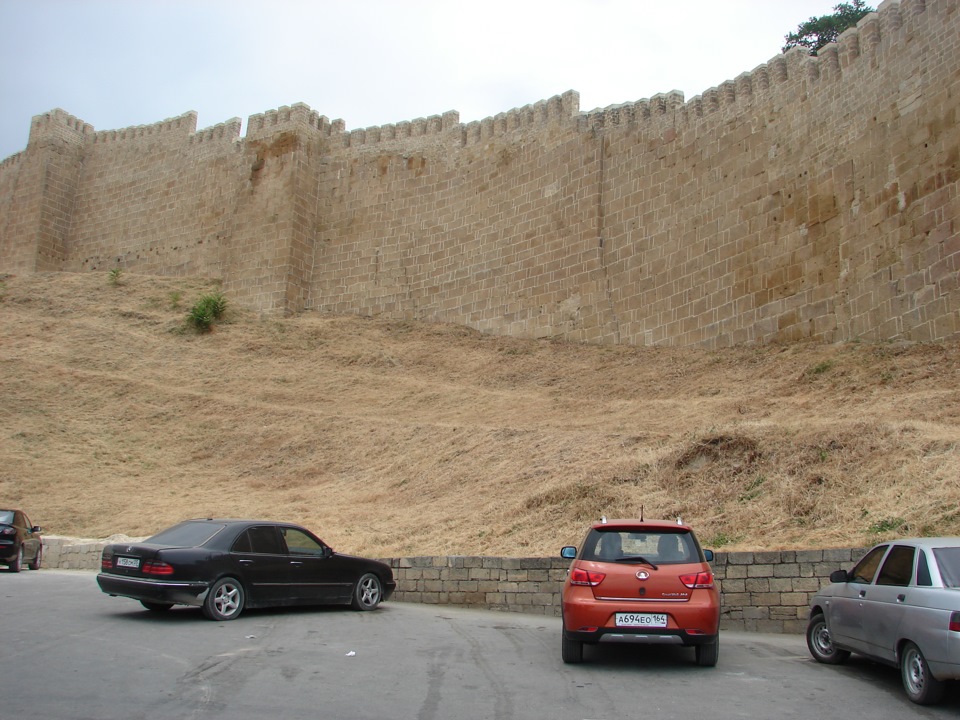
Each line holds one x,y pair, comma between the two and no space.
820,643
367,593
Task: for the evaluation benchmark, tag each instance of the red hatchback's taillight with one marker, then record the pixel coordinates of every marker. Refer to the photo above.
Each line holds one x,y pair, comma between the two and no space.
155,567
700,580
955,622
579,576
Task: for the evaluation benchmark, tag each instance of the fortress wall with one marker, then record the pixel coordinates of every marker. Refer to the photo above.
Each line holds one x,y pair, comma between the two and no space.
39,188
151,200
808,198
493,225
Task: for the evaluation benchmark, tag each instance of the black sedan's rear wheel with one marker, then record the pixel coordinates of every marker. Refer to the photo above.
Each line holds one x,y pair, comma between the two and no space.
156,606
367,593
821,644
224,600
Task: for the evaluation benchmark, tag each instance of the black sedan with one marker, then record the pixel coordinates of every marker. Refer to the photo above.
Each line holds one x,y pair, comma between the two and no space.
224,566
19,541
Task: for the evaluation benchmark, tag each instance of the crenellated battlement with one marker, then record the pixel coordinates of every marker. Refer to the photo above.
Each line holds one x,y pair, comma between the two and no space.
58,125
181,126
225,131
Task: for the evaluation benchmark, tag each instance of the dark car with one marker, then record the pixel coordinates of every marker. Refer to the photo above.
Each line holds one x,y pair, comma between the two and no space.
899,605
19,541
636,581
224,566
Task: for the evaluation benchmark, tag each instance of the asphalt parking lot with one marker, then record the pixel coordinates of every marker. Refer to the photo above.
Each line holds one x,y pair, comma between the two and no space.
68,651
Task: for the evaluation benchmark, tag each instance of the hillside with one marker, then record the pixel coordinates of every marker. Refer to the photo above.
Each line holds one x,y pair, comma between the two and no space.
404,438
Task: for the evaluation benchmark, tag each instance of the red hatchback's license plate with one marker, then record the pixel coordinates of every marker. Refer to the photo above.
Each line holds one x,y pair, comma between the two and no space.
128,562
653,620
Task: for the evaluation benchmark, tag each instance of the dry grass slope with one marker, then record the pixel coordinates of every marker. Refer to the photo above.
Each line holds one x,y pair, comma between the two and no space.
398,438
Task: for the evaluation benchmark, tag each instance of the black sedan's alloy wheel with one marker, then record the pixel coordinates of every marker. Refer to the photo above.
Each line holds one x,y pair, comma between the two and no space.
224,600
367,593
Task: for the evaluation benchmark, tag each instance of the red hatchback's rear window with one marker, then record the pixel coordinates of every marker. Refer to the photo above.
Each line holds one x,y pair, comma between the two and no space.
661,547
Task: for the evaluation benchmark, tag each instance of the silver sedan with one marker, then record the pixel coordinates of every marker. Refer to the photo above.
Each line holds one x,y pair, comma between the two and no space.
899,605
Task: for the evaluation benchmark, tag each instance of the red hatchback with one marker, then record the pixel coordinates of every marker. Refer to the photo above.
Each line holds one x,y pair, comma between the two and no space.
636,581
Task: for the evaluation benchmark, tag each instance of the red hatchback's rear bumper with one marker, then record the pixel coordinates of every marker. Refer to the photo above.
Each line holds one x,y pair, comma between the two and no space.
692,622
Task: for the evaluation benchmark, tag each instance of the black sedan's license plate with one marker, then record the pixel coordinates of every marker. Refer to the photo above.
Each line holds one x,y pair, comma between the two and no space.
127,562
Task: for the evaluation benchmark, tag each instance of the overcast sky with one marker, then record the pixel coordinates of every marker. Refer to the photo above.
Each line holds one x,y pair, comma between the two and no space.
120,63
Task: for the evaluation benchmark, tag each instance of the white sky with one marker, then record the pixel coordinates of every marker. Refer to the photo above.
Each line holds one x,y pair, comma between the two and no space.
119,63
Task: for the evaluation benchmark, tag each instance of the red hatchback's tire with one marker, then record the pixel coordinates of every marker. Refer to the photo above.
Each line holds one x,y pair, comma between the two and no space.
571,651
708,653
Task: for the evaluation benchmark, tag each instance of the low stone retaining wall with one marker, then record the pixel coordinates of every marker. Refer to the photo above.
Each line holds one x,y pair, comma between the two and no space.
761,591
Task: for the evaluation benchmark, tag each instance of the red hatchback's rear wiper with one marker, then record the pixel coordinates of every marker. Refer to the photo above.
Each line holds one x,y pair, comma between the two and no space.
639,559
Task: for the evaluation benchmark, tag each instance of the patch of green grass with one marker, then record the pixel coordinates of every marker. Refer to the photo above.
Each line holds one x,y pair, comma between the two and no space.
206,311
887,525
720,539
175,297
753,490
820,368
115,277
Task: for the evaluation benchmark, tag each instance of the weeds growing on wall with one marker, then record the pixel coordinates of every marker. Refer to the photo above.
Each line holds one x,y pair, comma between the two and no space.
206,311
115,276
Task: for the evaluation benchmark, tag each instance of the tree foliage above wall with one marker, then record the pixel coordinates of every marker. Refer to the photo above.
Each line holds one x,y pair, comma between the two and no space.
817,32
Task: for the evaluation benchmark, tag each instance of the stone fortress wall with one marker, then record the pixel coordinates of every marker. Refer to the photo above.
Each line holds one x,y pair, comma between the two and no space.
809,198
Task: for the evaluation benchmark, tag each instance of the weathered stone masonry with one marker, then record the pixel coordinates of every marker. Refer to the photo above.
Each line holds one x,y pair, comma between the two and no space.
809,198
760,591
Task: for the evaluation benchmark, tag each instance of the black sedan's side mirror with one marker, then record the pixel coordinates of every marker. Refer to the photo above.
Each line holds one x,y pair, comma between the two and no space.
36,529
839,576
569,552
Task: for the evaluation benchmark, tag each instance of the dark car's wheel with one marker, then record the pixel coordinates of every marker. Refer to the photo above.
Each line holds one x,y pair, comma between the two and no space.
708,653
820,643
156,606
35,565
224,600
367,593
922,687
17,563
571,651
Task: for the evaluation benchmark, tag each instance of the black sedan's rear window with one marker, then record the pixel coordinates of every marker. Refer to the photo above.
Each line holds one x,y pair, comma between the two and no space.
6,517
186,534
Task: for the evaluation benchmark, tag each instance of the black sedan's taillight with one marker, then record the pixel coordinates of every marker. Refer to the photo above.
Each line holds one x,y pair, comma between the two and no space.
157,567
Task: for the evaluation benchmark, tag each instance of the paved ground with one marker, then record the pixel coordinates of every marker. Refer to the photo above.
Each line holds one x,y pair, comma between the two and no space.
69,652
